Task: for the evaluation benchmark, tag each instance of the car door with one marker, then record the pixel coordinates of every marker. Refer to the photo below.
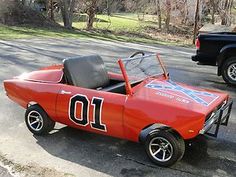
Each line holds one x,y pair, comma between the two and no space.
91,110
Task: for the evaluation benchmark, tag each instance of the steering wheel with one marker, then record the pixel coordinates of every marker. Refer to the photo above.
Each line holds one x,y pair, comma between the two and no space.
131,64
137,53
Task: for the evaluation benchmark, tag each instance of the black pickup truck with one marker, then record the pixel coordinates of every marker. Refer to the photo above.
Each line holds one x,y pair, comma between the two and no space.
218,49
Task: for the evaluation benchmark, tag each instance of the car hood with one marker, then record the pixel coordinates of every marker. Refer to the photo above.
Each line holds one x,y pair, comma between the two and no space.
180,95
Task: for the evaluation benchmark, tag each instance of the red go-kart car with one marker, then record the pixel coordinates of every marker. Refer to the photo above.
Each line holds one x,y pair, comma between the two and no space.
138,102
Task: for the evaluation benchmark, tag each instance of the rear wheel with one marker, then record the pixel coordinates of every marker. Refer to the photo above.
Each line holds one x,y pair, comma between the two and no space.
37,120
164,148
229,71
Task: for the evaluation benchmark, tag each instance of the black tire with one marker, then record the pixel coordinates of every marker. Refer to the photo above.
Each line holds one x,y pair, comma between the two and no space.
225,67
44,125
167,141
181,145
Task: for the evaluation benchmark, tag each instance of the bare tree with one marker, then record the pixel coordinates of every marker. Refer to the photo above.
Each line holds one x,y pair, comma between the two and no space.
67,8
168,13
23,2
196,19
182,7
225,7
50,8
158,10
91,7
185,12
214,7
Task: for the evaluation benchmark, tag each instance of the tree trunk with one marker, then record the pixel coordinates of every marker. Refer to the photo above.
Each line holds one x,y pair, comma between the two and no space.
23,2
67,8
108,8
196,22
213,16
51,14
185,12
30,2
225,12
158,10
213,6
168,11
64,14
229,12
71,11
91,11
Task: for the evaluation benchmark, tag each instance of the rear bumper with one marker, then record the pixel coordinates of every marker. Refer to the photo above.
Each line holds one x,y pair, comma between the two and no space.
195,58
198,56
220,117
204,59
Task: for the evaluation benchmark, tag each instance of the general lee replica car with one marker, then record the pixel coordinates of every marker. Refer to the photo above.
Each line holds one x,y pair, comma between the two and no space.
139,103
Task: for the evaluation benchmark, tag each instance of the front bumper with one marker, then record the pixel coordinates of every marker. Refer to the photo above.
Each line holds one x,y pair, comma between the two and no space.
219,117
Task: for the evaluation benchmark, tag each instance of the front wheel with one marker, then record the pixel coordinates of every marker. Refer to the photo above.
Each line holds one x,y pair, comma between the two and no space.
164,148
37,120
229,71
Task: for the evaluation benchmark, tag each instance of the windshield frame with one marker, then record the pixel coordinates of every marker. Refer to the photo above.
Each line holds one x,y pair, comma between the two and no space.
125,75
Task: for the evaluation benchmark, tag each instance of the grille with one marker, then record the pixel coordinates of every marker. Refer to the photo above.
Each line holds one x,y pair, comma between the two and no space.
215,110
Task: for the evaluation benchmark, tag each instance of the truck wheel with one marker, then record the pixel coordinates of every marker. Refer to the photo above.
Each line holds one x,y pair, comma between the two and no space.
164,148
37,120
229,71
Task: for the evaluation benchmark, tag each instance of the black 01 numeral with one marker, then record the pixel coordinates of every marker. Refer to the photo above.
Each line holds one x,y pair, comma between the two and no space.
97,103
83,100
84,119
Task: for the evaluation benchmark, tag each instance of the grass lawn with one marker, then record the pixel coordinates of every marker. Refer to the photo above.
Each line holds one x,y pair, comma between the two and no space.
119,27
17,32
114,23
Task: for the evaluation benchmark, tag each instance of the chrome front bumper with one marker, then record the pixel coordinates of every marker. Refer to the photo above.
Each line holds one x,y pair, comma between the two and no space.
219,117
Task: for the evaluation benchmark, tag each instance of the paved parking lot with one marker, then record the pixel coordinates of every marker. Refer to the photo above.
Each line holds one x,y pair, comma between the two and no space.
70,152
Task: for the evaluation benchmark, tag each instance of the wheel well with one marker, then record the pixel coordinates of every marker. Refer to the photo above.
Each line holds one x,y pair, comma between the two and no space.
230,53
32,103
222,58
154,127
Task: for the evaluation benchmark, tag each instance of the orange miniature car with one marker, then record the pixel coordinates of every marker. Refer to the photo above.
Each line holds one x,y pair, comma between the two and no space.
139,103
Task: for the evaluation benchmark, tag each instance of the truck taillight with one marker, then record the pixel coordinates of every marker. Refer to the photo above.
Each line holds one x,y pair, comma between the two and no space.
197,44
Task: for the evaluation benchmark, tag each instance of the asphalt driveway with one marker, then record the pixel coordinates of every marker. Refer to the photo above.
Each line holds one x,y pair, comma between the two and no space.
70,152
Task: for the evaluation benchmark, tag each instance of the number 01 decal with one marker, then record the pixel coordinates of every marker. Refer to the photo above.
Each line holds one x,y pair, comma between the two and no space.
84,119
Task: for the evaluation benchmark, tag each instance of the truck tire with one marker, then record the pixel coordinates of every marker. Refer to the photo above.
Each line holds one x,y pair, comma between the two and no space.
229,71
164,148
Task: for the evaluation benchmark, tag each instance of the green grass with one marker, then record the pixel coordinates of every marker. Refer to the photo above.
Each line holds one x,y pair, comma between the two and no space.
117,22
123,27
17,32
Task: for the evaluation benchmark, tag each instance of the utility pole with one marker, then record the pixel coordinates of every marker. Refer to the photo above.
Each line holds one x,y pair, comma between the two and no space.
196,18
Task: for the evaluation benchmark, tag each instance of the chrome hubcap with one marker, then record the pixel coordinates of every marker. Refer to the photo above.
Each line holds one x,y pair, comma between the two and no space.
35,121
232,71
160,149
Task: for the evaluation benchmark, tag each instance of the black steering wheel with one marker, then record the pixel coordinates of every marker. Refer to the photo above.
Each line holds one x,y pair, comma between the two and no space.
137,53
131,64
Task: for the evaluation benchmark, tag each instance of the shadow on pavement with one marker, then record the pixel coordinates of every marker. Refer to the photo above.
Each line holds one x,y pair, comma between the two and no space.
197,155
102,153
